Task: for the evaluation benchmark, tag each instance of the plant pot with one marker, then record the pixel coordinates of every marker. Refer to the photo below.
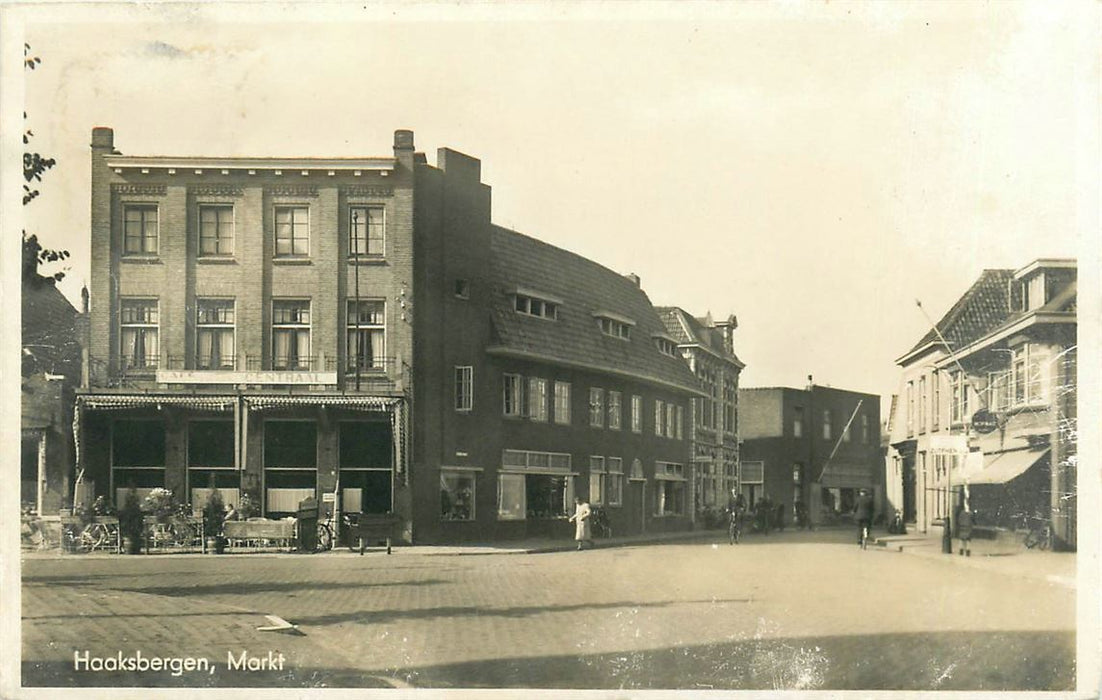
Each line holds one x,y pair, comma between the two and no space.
212,545
131,545
219,545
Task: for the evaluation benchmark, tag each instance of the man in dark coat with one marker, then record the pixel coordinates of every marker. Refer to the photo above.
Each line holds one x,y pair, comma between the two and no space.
862,513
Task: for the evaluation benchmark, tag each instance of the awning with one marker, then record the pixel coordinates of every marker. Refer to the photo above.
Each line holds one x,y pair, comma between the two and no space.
259,403
846,475
1004,467
124,401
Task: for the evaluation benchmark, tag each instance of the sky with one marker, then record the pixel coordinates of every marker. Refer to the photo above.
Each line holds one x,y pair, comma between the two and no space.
812,169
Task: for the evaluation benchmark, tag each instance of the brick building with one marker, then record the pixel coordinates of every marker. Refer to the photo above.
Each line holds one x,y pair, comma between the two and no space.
1011,357
359,327
708,346
818,446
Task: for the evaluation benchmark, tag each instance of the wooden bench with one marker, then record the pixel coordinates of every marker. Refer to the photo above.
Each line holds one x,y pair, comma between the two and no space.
259,533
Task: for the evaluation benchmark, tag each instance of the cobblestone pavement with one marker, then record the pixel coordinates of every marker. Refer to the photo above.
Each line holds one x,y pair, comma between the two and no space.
795,610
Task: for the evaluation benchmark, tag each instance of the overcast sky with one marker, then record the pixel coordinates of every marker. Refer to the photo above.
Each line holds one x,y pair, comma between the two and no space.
810,168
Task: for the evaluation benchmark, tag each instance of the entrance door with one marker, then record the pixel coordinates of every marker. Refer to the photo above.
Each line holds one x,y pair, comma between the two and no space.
909,509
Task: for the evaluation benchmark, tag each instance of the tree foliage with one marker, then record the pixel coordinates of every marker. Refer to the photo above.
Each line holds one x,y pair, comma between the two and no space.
34,166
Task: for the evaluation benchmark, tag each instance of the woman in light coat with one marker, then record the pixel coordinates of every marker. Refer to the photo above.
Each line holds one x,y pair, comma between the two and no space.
583,530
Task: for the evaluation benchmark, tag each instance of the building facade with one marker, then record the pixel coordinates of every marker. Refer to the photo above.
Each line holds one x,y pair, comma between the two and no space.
708,346
816,446
358,331
989,405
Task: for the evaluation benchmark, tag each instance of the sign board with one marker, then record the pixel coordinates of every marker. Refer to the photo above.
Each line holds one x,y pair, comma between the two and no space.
984,421
329,497
948,444
187,376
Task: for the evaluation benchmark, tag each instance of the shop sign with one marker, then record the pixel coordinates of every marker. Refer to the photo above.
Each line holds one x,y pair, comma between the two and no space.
984,421
171,376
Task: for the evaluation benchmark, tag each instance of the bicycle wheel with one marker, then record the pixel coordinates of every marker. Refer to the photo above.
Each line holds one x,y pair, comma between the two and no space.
325,538
183,534
93,537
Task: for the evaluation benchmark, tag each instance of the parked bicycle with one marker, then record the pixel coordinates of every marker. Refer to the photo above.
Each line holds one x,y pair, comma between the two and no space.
90,537
598,519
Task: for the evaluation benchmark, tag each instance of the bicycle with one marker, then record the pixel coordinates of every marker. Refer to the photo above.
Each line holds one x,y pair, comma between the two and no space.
1039,536
326,535
734,527
91,537
599,522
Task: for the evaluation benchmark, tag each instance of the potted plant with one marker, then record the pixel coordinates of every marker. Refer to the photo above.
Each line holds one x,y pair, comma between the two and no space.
160,503
213,515
131,523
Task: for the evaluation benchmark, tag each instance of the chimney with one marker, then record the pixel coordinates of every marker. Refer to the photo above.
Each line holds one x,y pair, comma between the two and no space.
727,330
634,278
403,147
103,137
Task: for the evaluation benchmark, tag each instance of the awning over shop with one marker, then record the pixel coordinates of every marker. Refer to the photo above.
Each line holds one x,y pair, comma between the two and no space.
124,401
372,403
1004,467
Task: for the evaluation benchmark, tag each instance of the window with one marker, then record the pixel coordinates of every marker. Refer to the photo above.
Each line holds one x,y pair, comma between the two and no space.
666,346
215,230
462,289
365,347
365,461
510,497
614,328
680,421
614,410
457,489
512,394
729,393
935,406
366,226
562,403
1035,292
210,459
137,457
139,321
827,428
290,465
659,418
292,231
864,429
959,397
1018,375
636,414
539,308
671,420
910,408
464,388
753,481
537,399
615,481
597,407
521,496
214,333
139,229
846,433
798,421
596,480
291,334
922,404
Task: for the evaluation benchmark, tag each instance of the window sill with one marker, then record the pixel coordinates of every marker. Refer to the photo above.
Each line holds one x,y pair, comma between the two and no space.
292,261
212,260
364,260
141,260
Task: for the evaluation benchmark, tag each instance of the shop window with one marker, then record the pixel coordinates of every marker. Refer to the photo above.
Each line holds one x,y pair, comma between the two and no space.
137,457
290,465
457,494
365,463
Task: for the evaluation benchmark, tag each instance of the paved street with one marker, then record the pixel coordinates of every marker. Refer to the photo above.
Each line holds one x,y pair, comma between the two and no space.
795,610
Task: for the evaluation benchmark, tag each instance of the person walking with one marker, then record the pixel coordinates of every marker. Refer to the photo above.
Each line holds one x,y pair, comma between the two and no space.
964,529
583,529
862,514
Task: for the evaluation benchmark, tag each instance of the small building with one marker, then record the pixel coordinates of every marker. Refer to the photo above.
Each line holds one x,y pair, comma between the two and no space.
988,405
816,446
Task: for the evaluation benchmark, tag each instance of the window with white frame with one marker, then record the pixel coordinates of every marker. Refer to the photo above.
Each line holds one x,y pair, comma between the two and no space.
291,334
366,228
562,403
614,410
935,405
659,417
828,430
292,231
958,397
998,390
615,483
636,414
596,480
140,229
512,395
910,408
532,306
670,488
366,335
457,494
537,399
615,328
596,407
680,422
464,387
214,333
215,230
922,404
139,330
671,420
666,346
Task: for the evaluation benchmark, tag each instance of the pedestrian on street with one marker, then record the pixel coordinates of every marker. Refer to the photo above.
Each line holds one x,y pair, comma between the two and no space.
862,513
583,529
964,529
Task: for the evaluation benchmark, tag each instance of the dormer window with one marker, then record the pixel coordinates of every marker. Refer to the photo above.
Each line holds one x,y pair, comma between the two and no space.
666,346
614,325
534,306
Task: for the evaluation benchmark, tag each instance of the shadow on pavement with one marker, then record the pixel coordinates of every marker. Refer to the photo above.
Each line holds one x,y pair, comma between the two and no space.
249,587
1001,660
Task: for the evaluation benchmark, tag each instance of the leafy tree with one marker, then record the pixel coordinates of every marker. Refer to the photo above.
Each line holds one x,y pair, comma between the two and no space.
34,166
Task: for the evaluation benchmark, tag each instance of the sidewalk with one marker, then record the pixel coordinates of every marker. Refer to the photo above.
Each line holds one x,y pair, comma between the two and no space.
1004,556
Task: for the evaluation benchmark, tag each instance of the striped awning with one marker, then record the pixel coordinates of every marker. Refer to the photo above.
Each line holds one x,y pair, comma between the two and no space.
372,403
124,401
